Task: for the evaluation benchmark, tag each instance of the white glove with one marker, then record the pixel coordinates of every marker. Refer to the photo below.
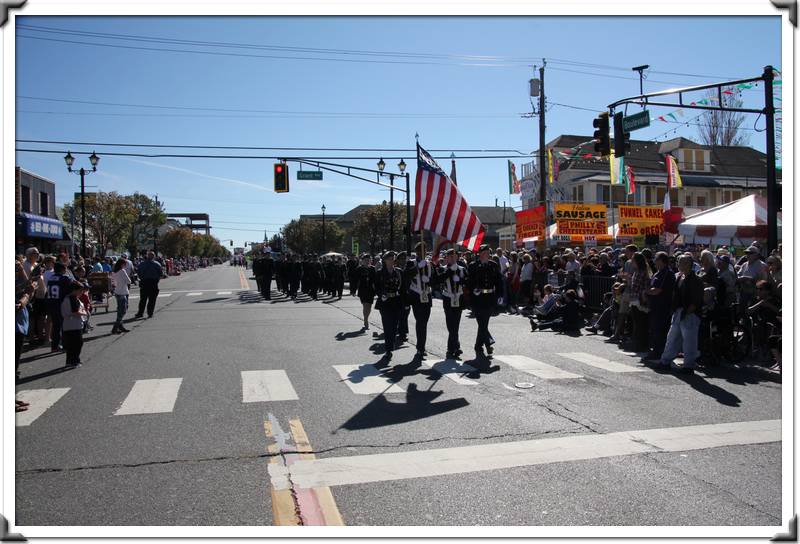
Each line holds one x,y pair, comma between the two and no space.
500,301
477,292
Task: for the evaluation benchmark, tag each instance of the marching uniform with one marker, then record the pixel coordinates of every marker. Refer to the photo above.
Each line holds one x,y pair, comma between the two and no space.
486,287
452,280
389,286
294,271
402,327
267,268
257,272
419,275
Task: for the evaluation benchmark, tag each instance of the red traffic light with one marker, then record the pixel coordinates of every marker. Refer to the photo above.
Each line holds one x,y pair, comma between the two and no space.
279,168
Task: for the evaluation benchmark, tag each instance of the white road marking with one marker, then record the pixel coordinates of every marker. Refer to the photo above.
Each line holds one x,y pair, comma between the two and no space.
266,385
223,292
164,295
132,296
196,293
382,467
366,380
599,362
450,368
151,397
40,400
536,368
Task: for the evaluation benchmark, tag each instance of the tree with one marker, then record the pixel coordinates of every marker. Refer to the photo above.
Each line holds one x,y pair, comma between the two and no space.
176,242
723,128
305,236
108,219
149,215
297,235
371,227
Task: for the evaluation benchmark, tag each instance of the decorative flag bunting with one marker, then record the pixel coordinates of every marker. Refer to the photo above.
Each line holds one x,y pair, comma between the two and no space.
441,208
673,176
630,180
550,165
611,165
514,185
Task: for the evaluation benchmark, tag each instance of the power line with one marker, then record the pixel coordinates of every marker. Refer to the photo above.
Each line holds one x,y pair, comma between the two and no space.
367,149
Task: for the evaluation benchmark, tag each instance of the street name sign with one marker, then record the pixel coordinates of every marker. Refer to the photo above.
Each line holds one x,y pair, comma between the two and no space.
636,121
309,175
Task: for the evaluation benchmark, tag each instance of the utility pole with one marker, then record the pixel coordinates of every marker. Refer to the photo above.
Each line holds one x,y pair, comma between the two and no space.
155,232
542,165
772,182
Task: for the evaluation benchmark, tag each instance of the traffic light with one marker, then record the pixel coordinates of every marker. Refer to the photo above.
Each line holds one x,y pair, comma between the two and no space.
622,139
231,243
281,171
602,145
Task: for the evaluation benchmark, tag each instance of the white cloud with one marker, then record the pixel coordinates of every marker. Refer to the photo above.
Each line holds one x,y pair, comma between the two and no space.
199,174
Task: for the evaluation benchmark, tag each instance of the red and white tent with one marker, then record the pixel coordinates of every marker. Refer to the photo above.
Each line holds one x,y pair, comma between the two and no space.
736,223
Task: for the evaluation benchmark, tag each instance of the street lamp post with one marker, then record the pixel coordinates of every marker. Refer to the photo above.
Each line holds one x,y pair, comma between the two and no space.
323,229
381,166
402,166
93,159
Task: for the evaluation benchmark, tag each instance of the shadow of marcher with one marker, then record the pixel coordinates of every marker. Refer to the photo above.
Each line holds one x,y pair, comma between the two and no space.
418,405
34,377
481,365
699,384
206,301
340,336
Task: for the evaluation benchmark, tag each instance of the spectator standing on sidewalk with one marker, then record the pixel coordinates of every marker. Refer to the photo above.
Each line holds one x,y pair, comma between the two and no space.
149,275
73,313
660,296
687,302
122,284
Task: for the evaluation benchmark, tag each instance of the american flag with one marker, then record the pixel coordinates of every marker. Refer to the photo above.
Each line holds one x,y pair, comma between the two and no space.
441,208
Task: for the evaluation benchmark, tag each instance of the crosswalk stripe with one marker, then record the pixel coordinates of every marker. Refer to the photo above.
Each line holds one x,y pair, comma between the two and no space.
165,295
366,380
223,292
133,296
40,400
266,385
536,368
194,294
381,467
599,362
450,368
151,397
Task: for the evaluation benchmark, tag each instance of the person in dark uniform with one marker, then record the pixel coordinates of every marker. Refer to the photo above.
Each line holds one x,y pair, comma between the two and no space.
258,273
362,280
402,328
267,269
315,276
485,285
294,272
352,266
339,273
419,274
452,280
389,287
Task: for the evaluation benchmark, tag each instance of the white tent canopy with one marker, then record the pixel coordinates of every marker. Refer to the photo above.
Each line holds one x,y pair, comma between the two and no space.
735,223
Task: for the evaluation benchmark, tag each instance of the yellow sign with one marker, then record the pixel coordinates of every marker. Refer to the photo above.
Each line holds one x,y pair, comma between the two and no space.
581,219
640,221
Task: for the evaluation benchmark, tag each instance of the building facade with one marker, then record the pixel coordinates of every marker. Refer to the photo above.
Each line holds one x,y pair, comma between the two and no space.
36,221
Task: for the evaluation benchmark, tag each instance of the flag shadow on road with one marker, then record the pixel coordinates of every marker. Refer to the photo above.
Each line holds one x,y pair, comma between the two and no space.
340,336
380,412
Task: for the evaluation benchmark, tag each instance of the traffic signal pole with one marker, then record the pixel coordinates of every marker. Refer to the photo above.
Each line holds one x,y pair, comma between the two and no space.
542,159
772,182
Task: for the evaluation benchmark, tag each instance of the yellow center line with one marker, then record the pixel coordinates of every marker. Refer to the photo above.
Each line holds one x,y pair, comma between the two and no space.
243,280
283,508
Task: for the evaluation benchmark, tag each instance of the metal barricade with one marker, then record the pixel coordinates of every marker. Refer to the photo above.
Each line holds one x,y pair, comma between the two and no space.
594,288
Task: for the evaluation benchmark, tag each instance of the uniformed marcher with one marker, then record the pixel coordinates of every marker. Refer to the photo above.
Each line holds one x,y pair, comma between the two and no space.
419,274
452,280
294,272
486,288
362,280
389,286
267,269
258,272
402,327
315,276
352,266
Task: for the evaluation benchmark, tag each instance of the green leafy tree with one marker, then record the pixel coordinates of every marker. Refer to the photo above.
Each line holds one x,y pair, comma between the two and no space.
149,215
371,227
108,219
176,242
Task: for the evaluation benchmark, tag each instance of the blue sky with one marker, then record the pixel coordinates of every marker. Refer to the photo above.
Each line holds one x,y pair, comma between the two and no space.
459,82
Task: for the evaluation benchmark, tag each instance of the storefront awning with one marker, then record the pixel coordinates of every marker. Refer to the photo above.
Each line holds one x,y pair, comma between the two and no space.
38,226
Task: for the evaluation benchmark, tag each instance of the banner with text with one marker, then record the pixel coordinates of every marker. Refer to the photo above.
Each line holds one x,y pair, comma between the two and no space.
581,219
636,221
530,224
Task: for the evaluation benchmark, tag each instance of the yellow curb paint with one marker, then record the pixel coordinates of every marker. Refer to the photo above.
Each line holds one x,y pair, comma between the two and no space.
323,495
283,509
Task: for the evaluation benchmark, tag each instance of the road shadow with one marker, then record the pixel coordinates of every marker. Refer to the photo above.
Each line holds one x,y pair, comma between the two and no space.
250,298
41,375
481,365
699,384
206,301
340,336
453,366
418,405
41,356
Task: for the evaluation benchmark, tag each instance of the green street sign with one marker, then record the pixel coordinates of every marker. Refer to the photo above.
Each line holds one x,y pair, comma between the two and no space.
309,175
636,121
355,248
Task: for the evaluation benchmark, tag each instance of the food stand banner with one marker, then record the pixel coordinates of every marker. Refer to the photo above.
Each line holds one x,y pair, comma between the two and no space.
530,223
581,219
640,221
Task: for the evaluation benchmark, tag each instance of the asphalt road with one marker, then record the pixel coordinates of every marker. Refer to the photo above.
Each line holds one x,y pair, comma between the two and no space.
177,423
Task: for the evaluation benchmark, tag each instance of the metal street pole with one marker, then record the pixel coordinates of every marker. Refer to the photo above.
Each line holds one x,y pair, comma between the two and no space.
83,213
391,213
542,163
772,182
408,213
323,229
